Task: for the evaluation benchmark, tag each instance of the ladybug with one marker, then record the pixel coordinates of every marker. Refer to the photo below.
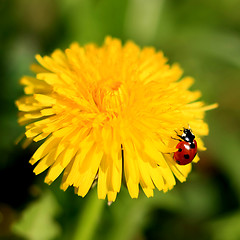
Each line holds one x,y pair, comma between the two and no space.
187,148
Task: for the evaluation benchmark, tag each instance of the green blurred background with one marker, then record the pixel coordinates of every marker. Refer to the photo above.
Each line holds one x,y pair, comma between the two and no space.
204,37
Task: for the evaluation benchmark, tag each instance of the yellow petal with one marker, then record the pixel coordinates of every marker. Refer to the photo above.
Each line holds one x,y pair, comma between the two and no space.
45,163
44,149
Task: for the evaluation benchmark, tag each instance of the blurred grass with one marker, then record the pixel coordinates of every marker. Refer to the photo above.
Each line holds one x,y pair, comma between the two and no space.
37,217
204,37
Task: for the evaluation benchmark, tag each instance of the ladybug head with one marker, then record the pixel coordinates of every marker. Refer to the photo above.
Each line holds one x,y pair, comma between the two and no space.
187,135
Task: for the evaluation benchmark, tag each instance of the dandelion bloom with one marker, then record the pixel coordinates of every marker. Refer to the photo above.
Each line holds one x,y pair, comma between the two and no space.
110,112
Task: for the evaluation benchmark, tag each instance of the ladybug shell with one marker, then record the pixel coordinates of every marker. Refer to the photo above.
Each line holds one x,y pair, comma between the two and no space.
186,152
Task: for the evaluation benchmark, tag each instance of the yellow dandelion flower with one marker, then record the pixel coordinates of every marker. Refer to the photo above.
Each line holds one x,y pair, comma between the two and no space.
107,112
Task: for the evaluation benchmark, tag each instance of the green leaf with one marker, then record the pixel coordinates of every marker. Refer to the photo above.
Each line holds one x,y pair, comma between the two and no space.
226,227
226,152
142,18
37,221
129,216
220,45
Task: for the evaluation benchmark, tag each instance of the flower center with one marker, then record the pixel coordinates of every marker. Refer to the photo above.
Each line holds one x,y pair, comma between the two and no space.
107,96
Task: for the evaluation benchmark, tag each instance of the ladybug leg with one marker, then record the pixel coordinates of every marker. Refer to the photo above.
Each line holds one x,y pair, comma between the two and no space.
177,139
181,138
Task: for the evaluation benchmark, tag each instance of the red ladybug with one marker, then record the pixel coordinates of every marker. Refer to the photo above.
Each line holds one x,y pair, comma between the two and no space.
187,148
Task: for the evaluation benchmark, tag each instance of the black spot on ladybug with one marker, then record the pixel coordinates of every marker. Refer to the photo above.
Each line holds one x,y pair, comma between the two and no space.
178,162
186,156
179,149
